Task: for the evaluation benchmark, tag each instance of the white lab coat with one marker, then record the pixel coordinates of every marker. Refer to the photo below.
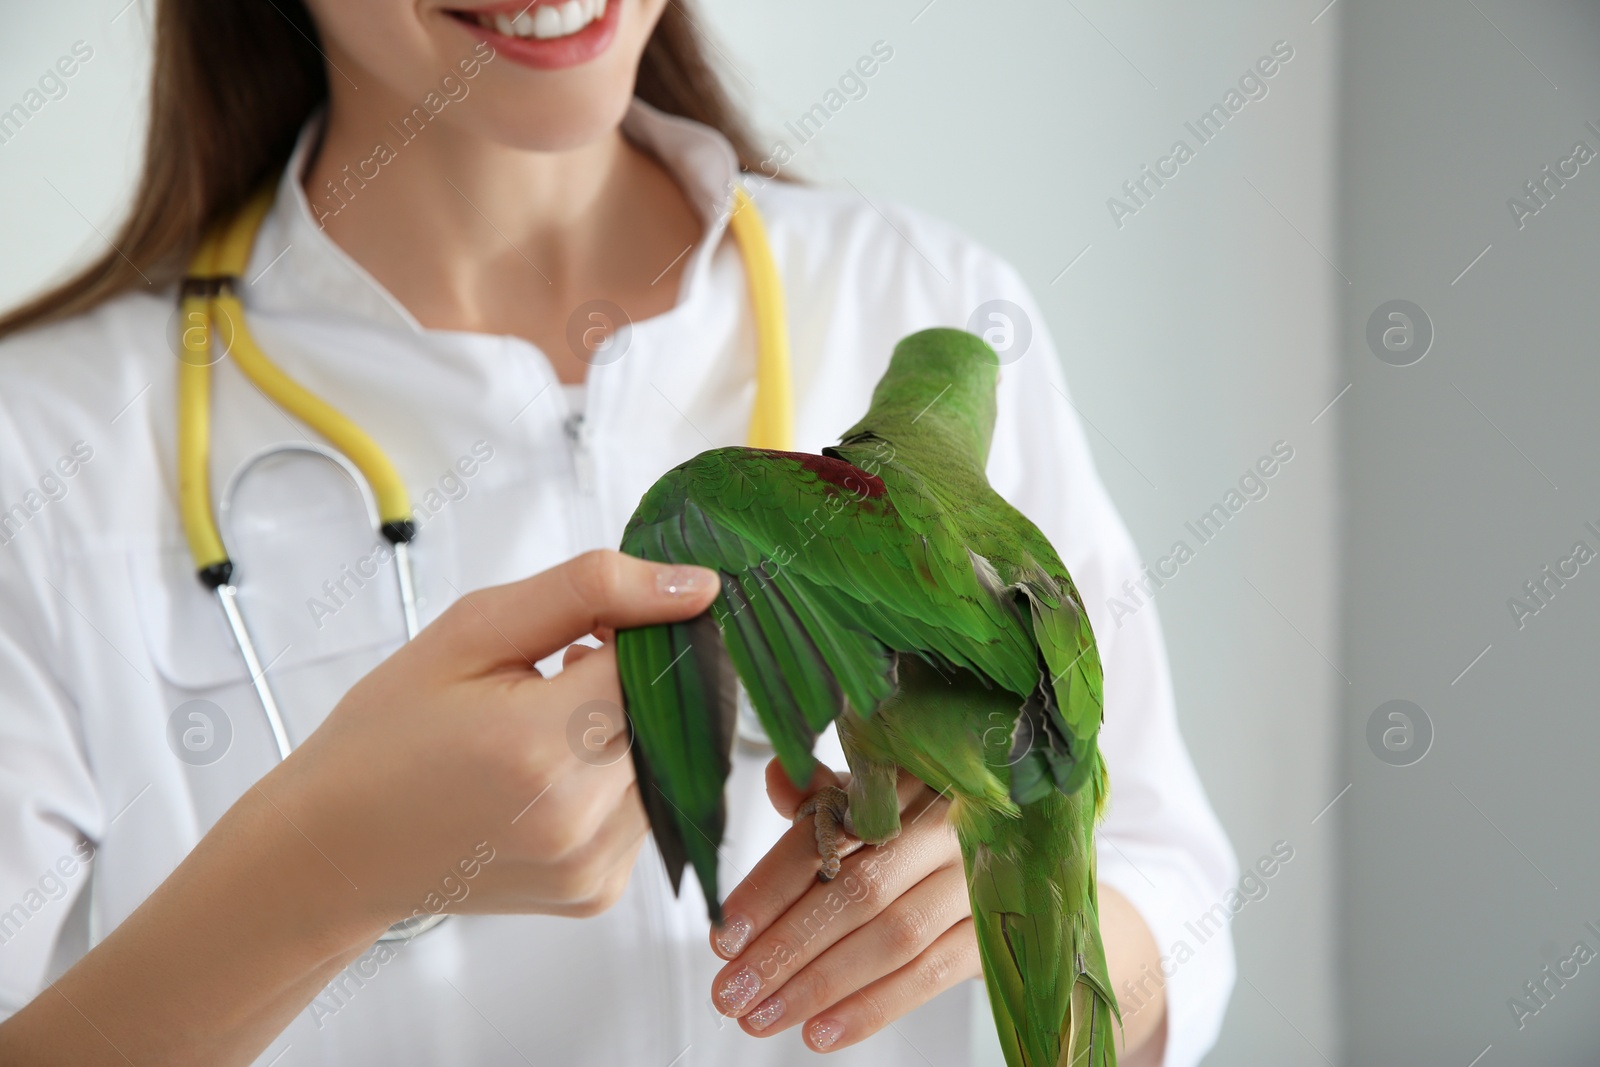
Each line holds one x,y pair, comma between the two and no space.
105,633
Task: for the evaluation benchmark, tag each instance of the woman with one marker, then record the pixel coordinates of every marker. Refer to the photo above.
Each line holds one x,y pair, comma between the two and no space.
474,204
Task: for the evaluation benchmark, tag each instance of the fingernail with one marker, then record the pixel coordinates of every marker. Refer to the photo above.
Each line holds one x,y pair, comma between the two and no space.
824,1034
681,581
769,1012
739,990
733,935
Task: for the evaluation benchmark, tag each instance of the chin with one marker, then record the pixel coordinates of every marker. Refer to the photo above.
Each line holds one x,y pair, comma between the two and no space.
552,114
551,94
553,121
522,77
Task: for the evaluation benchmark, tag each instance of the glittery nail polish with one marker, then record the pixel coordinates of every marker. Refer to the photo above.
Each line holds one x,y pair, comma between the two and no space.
739,990
733,935
771,1011
825,1033
681,581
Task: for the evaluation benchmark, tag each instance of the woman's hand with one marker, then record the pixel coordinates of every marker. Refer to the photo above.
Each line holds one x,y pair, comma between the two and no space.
850,956
458,778
892,931
453,777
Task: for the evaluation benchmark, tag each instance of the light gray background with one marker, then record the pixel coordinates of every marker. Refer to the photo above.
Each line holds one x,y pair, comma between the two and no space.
1467,473
1196,336
1225,316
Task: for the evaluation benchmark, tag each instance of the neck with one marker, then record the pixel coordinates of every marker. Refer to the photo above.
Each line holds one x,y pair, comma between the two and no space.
945,441
937,398
514,239
549,204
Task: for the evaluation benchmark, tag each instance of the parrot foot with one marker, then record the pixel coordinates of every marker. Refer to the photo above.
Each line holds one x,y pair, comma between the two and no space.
831,807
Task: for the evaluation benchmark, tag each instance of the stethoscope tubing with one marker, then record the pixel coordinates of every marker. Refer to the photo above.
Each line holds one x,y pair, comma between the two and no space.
209,291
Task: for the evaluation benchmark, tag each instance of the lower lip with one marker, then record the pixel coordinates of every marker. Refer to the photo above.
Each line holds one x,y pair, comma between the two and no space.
555,53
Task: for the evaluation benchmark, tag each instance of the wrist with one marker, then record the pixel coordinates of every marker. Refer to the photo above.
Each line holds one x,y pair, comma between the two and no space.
294,880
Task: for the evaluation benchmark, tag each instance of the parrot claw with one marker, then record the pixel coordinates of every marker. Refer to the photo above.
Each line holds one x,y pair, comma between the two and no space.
831,807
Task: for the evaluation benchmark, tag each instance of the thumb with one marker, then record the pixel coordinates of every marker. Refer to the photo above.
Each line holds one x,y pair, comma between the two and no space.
520,623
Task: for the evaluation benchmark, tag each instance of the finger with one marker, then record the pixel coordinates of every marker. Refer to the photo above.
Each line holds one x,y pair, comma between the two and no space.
593,877
952,958
916,798
572,729
585,751
787,798
825,913
903,932
562,880
783,793
779,879
586,800
520,623
789,868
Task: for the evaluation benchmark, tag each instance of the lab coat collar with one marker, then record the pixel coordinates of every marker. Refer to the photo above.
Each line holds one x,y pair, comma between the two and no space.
296,268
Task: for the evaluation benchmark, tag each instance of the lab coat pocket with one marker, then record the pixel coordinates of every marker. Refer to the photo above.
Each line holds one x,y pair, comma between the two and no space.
315,596
189,639
202,682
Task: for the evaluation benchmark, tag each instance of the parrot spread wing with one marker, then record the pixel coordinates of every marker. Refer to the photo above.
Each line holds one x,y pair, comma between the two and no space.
829,569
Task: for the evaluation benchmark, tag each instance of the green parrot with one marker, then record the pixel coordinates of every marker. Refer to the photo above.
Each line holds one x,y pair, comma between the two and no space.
886,586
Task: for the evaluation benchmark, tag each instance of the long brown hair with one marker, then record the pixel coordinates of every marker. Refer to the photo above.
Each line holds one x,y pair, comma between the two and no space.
234,82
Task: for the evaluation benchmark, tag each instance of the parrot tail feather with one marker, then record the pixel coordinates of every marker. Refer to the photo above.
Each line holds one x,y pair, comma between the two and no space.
1090,1042
1036,914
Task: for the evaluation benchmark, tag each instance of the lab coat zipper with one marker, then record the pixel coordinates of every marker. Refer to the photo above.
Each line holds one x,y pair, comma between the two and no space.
585,502
576,428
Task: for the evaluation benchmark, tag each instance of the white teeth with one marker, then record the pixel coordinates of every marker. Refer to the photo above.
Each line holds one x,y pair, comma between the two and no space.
546,20
572,17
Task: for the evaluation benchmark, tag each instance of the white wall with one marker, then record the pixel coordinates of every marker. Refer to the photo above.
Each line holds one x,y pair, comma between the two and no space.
1476,868
70,169
1196,335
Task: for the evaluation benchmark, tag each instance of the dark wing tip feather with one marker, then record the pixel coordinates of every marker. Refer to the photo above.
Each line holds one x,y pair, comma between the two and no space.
681,699
721,688
663,822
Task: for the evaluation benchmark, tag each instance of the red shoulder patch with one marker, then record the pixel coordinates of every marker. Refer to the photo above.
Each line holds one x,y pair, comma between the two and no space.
847,476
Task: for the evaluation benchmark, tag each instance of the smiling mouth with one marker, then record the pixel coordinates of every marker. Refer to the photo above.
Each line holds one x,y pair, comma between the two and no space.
540,20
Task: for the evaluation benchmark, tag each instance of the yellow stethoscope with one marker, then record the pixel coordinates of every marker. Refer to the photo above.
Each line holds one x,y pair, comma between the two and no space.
209,299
